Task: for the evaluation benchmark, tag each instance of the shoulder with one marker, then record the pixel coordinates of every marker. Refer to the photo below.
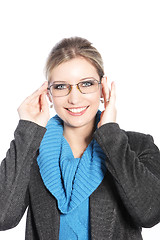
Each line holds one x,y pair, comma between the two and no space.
138,136
111,134
141,142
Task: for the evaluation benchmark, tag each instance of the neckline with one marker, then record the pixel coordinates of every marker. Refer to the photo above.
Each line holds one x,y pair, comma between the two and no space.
55,158
64,141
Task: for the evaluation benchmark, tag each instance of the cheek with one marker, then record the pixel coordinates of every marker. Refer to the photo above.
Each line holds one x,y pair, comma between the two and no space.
58,103
96,98
94,103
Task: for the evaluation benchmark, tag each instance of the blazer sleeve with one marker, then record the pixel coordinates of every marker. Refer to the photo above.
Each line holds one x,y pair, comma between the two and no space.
15,173
134,162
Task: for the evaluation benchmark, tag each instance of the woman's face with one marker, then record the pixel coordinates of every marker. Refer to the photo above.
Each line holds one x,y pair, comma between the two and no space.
76,109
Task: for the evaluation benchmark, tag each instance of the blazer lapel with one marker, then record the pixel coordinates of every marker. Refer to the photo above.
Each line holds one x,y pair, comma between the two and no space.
103,210
44,207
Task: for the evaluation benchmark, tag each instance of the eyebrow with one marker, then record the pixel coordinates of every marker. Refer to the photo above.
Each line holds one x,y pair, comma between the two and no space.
82,79
59,82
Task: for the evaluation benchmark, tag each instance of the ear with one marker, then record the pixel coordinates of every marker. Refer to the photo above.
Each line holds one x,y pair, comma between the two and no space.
101,87
49,96
103,81
101,93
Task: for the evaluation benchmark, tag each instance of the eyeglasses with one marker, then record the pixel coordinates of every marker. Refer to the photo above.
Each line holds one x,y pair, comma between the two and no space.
61,89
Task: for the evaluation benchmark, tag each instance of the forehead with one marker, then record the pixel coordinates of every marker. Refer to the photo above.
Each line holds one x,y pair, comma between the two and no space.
73,70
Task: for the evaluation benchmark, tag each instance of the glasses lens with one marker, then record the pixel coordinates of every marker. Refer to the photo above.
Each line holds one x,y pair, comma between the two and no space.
88,86
59,89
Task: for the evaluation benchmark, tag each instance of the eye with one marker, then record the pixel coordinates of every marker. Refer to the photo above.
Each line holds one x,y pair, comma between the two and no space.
88,83
59,86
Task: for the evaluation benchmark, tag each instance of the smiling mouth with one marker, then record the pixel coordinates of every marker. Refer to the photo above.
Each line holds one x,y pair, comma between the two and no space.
77,110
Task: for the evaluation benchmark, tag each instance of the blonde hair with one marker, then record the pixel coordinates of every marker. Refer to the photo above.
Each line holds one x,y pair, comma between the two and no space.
69,48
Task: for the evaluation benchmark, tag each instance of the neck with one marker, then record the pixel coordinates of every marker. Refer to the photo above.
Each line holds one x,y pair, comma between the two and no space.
78,138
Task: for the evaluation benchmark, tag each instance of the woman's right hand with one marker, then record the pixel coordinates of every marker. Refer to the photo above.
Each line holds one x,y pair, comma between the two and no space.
35,108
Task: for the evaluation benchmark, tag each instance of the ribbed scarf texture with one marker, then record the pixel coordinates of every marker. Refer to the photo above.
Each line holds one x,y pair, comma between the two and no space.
70,180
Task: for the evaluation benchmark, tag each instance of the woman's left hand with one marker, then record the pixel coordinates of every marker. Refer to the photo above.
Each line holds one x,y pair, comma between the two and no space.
109,114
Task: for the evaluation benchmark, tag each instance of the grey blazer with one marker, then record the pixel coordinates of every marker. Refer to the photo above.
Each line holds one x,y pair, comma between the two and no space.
127,199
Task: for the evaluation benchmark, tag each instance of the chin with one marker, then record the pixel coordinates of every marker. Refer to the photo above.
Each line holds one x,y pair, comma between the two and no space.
79,123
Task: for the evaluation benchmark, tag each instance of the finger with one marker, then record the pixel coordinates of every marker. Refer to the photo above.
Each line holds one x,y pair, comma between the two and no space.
113,93
38,92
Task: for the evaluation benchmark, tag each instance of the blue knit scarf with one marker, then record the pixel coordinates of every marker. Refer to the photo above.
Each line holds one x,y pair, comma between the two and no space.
57,164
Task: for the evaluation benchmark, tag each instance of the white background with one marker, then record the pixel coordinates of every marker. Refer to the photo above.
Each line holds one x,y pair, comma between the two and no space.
125,32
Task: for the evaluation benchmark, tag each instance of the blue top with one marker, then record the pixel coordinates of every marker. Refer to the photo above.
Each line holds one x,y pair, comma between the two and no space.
74,224
70,180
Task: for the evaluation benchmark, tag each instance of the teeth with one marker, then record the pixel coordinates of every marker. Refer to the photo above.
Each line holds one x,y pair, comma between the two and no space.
76,110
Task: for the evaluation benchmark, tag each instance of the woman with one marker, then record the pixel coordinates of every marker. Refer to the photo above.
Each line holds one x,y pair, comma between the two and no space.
83,178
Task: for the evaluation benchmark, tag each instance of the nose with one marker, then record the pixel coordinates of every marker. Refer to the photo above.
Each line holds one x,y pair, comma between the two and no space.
74,95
